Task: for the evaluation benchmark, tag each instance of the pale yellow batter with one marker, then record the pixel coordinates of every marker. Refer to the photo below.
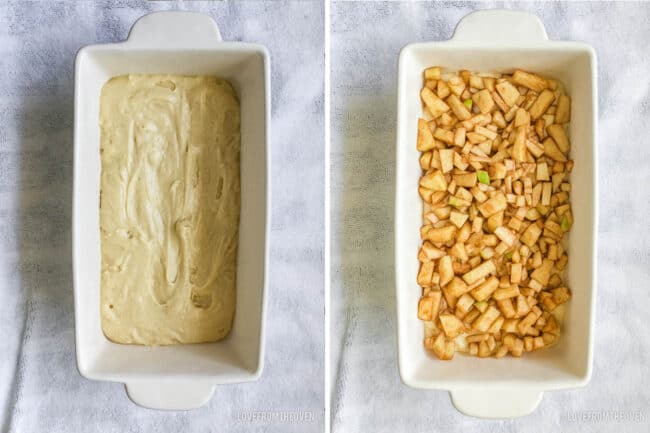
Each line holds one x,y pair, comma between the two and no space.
169,208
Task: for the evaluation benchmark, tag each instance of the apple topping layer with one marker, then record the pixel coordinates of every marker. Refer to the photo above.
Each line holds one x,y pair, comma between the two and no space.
495,185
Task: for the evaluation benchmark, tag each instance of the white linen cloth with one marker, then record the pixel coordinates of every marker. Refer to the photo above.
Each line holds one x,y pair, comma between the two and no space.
40,387
367,393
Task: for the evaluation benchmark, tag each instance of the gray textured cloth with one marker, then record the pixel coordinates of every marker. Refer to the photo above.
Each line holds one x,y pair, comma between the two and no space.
368,395
40,388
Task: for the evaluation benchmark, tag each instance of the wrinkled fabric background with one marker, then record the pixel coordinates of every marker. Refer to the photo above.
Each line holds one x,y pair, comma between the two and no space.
368,395
40,387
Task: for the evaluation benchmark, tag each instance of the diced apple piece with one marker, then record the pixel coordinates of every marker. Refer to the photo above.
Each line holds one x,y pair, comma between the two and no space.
501,352
446,270
476,82
476,338
547,301
451,325
431,252
546,193
483,99
506,235
515,223
465,303
432,73
563,111
559,135
485,132
534,148
497,171
515,273
531,234
508,93
446,160
526,322
443,89
425,194
542,171
509,324
435,105
475,138
541,104
429,305
561,295
483,322
517,347
444,135
481,306
458,251
543,273
530,81
443,349
464,194
440,235
457,287
458,218
425,137
481,271
498,100
457,106
506,293
548,338
456,85
431,84
483,350
528,343
425,274
492,223
459,162
425,160
442,212
540,128
552,229
522,118
484,290
435,181
496,204
459,139
467,180
458,202
495,327
518,152
522,306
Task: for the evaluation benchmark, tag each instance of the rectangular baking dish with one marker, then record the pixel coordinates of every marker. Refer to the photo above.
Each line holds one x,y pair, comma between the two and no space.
181,376
499,41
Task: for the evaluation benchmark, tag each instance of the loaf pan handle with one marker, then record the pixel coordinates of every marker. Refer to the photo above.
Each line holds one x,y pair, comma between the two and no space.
499,26
174,30
170,395
491,402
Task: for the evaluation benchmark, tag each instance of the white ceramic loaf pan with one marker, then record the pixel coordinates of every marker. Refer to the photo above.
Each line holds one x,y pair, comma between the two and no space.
500,41
182,376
